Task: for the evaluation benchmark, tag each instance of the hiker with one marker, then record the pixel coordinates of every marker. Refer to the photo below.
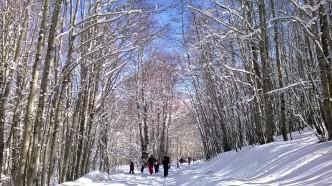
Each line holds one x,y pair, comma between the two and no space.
189,160
131,166
166,165
143,164
156,166
178,164
151,162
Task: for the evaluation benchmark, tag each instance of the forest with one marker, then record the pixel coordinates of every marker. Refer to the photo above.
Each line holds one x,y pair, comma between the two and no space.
91,84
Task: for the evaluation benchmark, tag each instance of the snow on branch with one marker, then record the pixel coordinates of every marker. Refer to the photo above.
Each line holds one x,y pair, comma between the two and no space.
99,22
109,14
231,11
303,83
305,8
306,28
238,70
208,14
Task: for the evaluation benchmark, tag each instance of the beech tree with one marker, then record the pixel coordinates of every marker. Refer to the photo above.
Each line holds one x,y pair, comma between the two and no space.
251,79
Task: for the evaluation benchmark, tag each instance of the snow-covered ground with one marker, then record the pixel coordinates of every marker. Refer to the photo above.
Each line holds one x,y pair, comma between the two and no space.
301,161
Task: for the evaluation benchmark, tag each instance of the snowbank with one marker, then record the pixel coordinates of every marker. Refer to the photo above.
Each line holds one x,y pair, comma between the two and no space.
301,161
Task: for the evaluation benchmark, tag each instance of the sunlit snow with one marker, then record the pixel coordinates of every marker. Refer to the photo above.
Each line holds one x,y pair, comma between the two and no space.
302,161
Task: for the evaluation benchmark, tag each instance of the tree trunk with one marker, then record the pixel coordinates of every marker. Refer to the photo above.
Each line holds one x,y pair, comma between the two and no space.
34,164
324,59
5,94
284,127
266,69
82,116
28,119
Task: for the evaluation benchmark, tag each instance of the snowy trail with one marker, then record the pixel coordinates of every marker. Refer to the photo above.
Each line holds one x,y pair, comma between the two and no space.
301,161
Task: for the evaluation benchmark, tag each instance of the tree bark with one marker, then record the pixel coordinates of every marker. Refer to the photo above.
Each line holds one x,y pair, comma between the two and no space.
34,164
5,94
266,69
28,119
324,59
283,122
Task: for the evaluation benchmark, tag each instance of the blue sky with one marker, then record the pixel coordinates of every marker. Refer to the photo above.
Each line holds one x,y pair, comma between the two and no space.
169,15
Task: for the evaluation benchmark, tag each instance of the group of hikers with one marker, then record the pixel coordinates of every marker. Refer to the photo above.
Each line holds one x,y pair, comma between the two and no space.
152,164
182,160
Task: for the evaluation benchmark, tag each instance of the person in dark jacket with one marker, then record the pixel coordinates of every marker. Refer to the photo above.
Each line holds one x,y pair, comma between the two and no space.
151,162
181,160
166,165
131,167
143,164
156,166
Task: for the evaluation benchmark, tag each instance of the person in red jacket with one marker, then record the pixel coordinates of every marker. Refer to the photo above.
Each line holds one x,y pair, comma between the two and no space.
151,162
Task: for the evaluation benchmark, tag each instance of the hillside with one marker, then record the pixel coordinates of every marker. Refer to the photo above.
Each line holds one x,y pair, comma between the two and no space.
301,161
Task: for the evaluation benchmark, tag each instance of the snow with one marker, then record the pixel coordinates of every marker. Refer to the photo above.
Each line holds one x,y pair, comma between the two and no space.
302,161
